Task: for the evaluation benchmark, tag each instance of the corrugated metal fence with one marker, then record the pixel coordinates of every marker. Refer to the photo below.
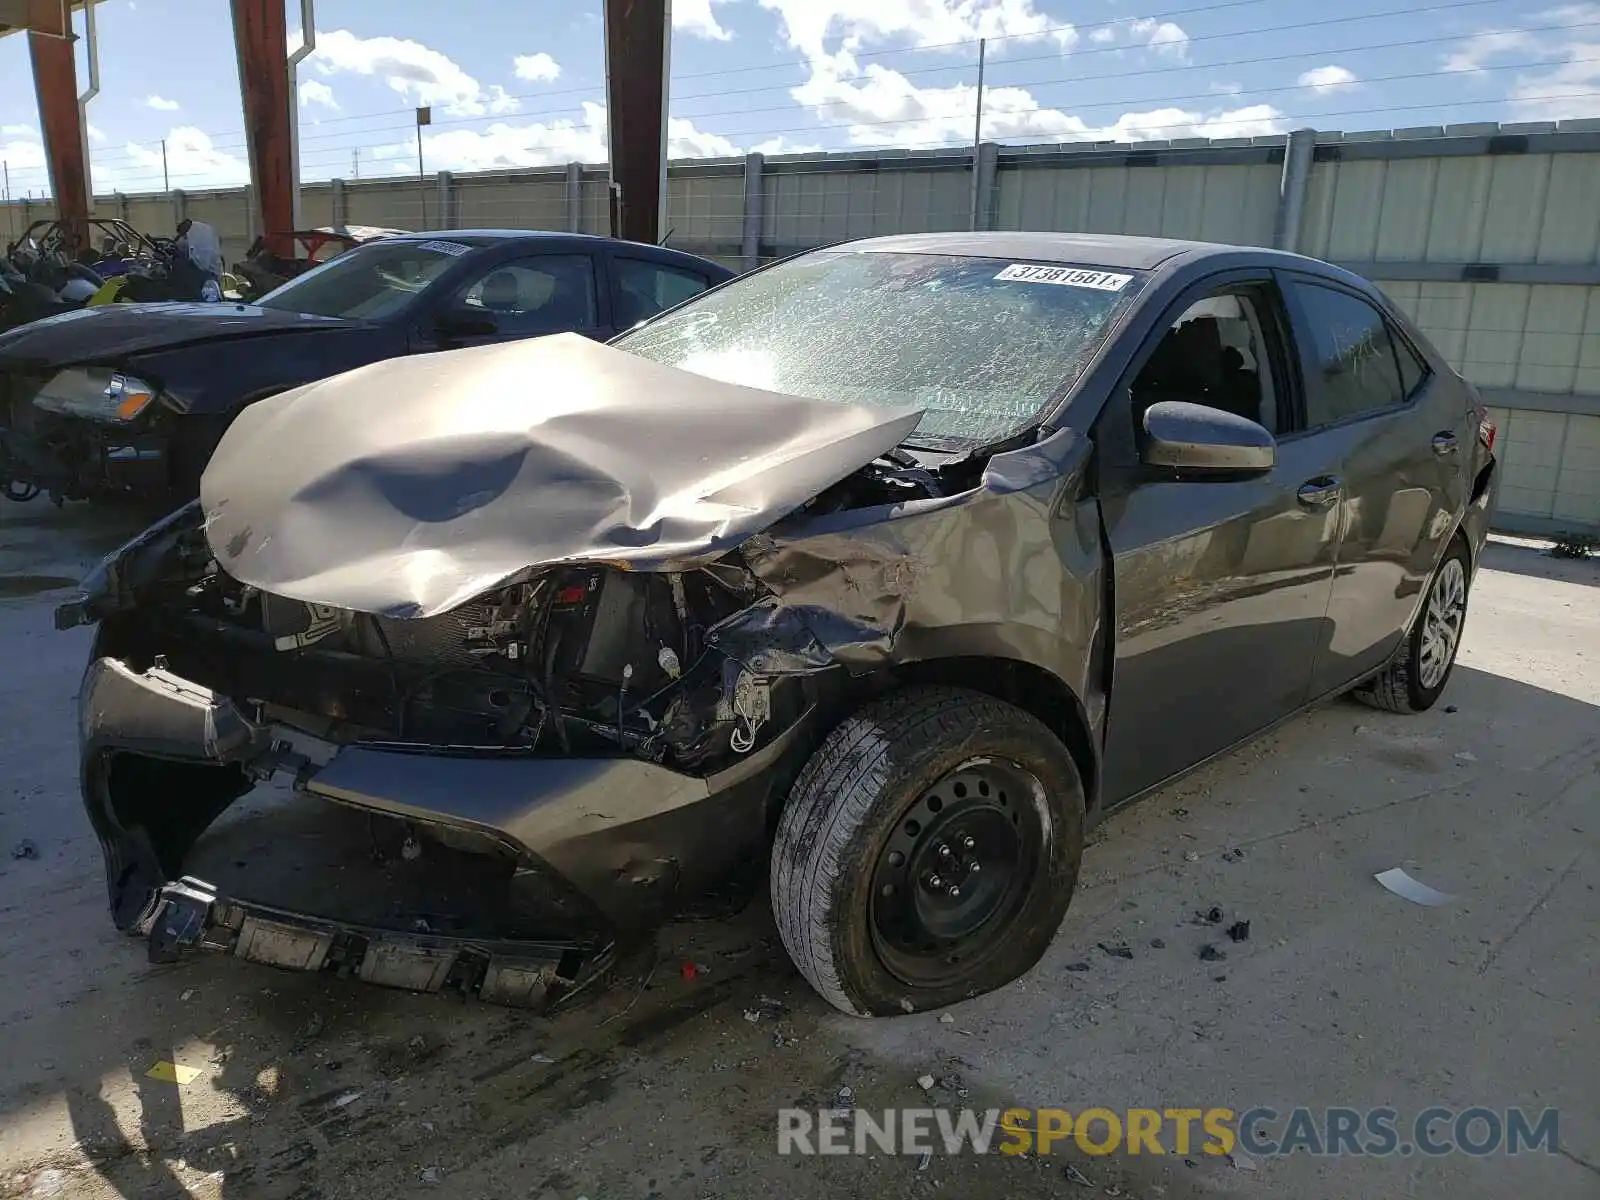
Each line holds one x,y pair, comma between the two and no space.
1489,235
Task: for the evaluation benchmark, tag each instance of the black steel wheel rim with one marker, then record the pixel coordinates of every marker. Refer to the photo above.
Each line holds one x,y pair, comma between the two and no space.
955,869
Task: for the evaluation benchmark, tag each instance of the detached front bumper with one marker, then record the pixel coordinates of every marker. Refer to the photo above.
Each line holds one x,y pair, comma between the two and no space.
616,845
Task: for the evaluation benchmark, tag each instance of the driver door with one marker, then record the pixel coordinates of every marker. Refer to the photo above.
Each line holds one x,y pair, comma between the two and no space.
1220,582
530,296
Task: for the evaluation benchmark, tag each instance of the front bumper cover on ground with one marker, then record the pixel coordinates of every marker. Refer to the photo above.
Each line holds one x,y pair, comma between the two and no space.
621,842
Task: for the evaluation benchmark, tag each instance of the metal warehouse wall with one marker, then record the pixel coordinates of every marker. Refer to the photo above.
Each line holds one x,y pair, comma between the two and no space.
1488,235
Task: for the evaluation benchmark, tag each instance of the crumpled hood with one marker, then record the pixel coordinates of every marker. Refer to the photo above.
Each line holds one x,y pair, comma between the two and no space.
410,486
109,332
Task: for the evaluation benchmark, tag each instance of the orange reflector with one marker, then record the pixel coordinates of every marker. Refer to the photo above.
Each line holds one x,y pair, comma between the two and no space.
132,405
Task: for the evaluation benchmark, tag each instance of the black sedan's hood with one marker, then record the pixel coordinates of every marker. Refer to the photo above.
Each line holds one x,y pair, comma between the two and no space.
110,332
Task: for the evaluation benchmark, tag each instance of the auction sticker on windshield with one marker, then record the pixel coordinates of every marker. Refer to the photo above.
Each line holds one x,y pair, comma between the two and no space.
454,249
1100,281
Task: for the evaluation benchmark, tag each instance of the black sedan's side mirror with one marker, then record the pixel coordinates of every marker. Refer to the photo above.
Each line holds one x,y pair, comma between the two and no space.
1195,438
466,322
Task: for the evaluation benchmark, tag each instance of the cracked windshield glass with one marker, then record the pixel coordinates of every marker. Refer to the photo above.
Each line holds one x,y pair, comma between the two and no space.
979,343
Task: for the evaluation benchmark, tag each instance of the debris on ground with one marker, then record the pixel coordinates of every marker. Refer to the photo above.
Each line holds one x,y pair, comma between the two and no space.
844,1101
431,1176
187,996
925,1082
1181,813
171,1072
1117,949
1239,931
346,1099
1157,944
953,1083
1397,881
1233,856
1191,856
25,849
1451,708
924,1162
541,1057
1243,1162
1078,1177
1209,916
1466,756
1080,966
689,971
1209,953
947,1019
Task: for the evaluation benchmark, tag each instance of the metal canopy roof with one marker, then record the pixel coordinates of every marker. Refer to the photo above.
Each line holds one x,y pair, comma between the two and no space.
50,17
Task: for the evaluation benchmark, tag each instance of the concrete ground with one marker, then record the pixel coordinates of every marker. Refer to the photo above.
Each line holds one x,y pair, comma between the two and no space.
660,1086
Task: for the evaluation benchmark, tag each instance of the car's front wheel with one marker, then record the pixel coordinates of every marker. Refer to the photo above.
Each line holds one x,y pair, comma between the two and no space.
1414,680
928,851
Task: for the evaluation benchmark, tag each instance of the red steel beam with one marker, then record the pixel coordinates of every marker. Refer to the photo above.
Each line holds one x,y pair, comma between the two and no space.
55,84
260,38
636,60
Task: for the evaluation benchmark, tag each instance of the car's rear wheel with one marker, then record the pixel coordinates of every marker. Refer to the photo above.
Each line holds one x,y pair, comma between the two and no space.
1415,679
928,851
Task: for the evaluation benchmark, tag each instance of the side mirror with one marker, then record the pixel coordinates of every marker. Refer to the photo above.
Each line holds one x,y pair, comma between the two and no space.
466,322
1197,438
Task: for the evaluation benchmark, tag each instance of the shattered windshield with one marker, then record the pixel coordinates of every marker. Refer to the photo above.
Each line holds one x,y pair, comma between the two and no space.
980,343
367,282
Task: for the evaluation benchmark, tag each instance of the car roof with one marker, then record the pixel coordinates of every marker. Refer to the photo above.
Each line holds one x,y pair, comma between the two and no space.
1098,249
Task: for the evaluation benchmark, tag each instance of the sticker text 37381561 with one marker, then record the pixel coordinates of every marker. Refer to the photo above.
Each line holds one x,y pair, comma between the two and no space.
1100,281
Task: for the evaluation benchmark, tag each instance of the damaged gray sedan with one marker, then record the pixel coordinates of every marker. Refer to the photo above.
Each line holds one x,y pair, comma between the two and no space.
885,571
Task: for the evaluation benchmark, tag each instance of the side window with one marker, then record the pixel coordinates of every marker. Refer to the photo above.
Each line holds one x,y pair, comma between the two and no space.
1216,354
1414,369
1357,370
646,288
543,293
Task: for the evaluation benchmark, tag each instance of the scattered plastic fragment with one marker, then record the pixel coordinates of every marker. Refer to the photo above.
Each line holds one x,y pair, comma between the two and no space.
431,1175
1117,949
844,1101
171,1072
187,995
1233,856
346,1099
541,1057
1211,916
1466,756
1191,856
925,1161
689,971
1243,1162
1078,1177
925,1082
1407,888
1209,953
1079,967
26,848
947,1019
1239,931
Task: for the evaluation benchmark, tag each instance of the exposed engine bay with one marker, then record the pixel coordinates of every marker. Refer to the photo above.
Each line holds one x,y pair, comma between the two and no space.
579,660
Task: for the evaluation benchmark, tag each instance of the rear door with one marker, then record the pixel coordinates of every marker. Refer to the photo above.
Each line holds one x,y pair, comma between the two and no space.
1220,585
1400,433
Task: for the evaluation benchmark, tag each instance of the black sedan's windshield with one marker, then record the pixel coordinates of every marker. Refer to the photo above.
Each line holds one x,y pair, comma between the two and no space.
367,282
980,343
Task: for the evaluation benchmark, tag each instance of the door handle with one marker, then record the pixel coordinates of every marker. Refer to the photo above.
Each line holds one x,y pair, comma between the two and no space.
1320,492
1444,443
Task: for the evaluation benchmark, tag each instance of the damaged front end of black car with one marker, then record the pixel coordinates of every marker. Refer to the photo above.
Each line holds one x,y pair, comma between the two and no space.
561,679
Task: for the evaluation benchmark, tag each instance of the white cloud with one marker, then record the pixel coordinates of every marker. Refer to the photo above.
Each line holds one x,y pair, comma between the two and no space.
808,24
537,68
19,131
314,91
1325,80
685,141
160,103
1163,37
1104,35
881,107
193,161
96,134
418,73
1224,87
1569,88
695,17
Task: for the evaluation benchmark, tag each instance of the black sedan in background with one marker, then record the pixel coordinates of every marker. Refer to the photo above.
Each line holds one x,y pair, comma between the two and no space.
129,401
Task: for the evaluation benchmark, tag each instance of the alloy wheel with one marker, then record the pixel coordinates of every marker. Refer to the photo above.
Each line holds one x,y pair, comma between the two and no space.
1441,623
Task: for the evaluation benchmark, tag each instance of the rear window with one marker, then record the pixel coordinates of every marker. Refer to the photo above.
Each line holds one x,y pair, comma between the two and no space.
981,344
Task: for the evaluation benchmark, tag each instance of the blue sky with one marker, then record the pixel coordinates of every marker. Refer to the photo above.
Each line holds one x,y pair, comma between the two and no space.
521,82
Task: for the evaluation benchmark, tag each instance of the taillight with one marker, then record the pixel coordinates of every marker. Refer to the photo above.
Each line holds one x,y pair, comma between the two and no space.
1487,429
